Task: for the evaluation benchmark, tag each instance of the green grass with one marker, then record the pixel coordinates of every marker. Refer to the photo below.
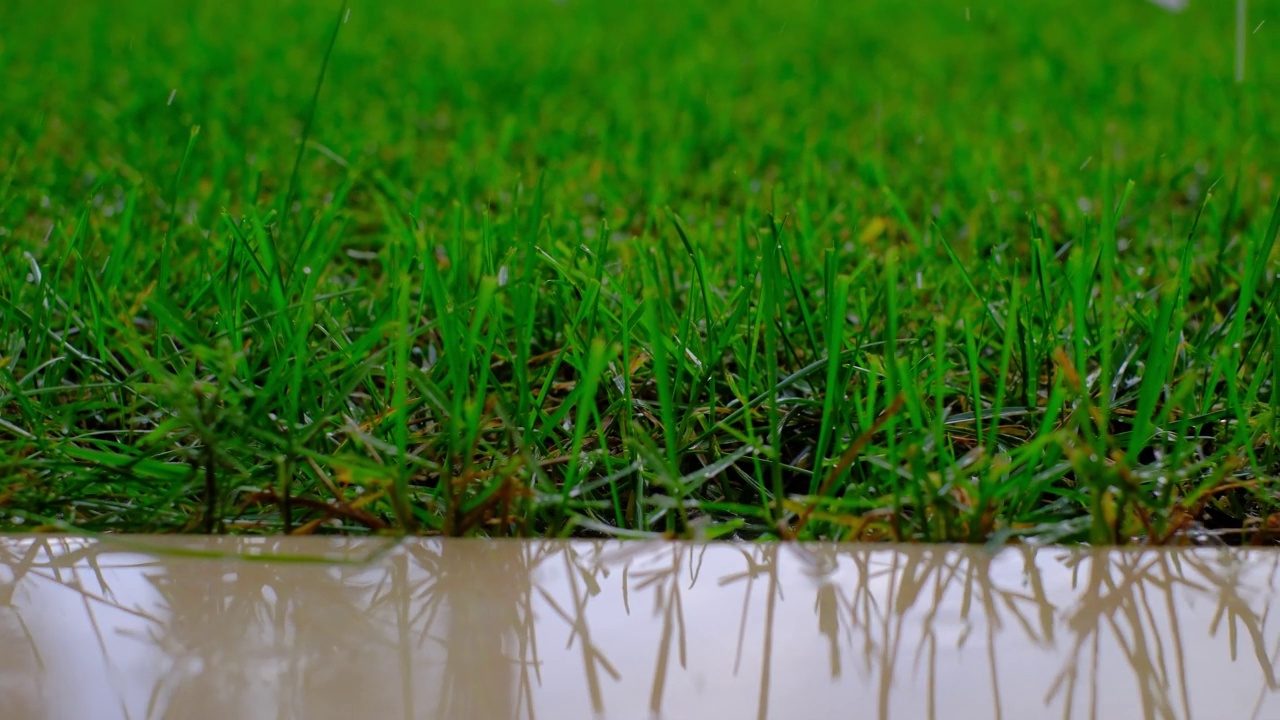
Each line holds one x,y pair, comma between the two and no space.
874,270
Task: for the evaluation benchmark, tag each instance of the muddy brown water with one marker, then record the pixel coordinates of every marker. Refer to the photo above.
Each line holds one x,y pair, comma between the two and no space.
149,628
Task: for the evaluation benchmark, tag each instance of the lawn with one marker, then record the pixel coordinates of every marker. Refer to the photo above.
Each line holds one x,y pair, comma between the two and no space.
878,270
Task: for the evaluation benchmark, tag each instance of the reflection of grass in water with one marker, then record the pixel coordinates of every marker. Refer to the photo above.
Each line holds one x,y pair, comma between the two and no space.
257,609
252,606
474,603
423,603
1120,606
1125,604
879,608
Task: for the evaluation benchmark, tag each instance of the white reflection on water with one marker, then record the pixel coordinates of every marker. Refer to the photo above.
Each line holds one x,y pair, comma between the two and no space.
477,629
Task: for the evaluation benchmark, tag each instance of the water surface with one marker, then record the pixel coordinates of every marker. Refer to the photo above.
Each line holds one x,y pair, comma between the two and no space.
498,629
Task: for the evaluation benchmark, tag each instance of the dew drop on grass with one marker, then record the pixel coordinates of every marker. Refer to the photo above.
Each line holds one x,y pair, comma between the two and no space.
346,16
306,269
172,94
35,276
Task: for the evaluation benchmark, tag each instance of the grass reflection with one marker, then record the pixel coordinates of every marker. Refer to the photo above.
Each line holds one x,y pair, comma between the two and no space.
524,630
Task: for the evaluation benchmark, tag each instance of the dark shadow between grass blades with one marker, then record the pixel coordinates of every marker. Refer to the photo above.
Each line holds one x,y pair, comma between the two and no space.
501,629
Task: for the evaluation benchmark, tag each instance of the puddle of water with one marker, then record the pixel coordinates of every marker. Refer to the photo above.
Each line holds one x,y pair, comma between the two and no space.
478,629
